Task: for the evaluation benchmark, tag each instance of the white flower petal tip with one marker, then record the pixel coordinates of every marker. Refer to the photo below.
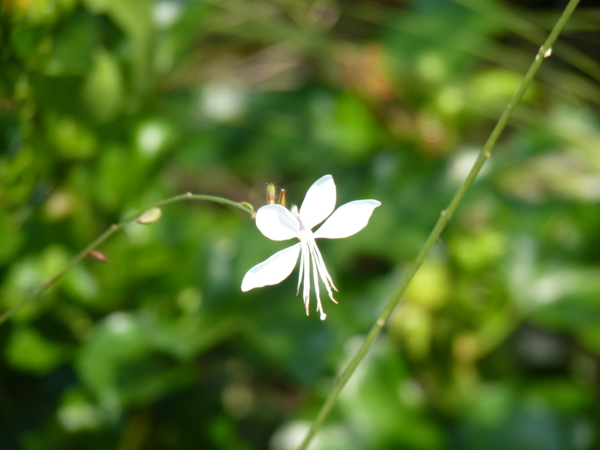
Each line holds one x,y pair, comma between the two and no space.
347,220
279,224
273,270
319,202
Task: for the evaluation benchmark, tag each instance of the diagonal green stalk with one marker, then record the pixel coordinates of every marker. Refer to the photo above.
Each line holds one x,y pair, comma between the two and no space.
445,216
108,233
519,25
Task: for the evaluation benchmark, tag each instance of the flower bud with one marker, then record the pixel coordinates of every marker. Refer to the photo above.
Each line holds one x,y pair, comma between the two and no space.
270,193
98,256
150,216
282,198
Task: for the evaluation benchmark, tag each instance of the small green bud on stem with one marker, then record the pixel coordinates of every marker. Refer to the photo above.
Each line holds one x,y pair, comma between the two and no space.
150,216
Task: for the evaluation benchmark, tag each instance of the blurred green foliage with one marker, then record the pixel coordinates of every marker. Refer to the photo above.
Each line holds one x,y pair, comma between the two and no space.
107,106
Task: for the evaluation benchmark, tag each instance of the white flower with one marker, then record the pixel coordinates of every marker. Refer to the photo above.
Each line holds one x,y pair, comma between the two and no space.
279,224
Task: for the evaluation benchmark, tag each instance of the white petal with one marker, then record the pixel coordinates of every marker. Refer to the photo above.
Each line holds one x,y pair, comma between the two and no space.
347,220
318,203
273,270
277,223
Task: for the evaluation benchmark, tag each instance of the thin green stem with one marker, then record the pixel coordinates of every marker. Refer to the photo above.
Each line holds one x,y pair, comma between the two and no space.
445,216
108,233
519,25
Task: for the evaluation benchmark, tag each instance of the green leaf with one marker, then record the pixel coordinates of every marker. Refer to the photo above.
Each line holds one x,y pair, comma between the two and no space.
73,45
103,91
28,350
65,50
11,238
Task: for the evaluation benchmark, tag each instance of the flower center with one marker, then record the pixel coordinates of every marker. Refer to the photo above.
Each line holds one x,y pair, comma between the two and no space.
294,211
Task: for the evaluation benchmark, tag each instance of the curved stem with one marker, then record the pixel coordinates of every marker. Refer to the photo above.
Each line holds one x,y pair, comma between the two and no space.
445,216
109,232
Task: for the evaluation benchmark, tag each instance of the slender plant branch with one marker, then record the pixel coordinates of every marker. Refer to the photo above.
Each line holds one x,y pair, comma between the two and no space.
108,233
519,25
445,216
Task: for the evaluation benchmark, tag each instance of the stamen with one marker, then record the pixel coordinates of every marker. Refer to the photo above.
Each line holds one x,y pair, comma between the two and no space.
306,293
325,277
311,255
316,280
301,269
322,266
